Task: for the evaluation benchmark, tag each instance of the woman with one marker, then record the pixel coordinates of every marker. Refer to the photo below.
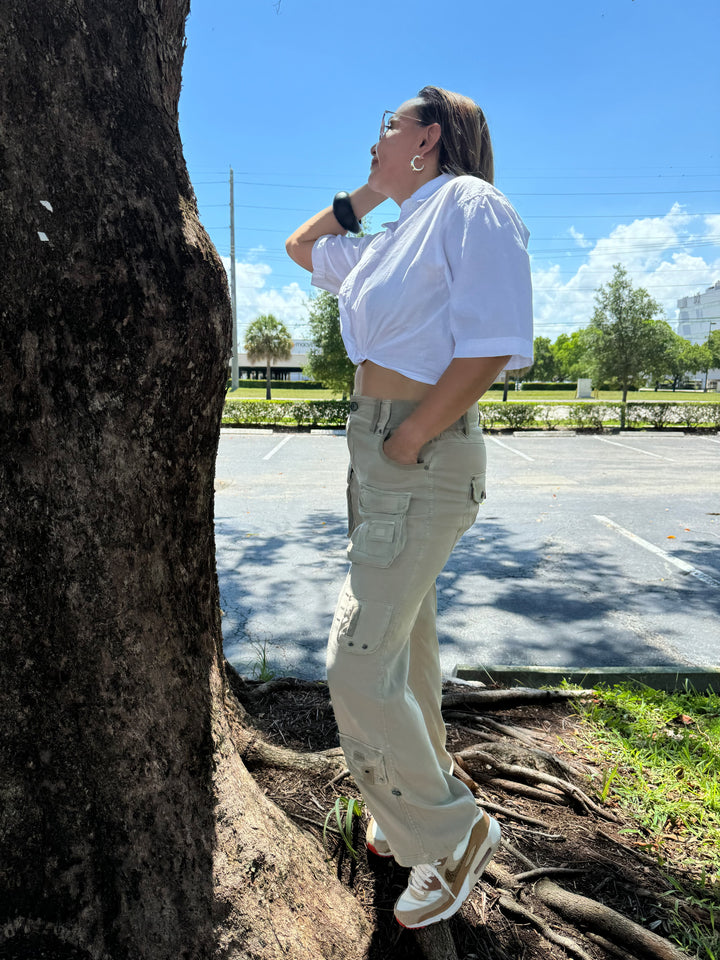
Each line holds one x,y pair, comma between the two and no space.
432,309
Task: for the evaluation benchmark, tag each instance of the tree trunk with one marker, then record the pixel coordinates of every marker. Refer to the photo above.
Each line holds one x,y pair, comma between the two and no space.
268,375
130,826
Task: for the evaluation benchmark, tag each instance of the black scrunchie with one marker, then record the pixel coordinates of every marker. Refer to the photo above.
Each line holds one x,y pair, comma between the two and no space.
344,213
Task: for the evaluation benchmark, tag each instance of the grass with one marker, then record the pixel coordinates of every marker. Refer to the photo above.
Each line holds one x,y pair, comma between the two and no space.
281,393
661,756
522,396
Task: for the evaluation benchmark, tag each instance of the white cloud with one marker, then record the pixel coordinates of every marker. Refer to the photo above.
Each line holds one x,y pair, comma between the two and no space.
580,238
254,296
670,256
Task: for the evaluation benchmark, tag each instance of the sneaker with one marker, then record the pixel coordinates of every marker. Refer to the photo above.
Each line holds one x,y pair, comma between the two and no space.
376,840
436,891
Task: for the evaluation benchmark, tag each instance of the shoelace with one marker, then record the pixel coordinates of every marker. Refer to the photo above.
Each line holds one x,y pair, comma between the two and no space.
422,875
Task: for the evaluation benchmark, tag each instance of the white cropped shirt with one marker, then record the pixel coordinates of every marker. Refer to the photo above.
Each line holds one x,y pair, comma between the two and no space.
449,278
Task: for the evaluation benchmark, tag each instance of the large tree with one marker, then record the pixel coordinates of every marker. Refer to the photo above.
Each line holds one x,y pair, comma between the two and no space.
544,364
268,339
130,826
328,361
570,352
697,358
623,332
665,354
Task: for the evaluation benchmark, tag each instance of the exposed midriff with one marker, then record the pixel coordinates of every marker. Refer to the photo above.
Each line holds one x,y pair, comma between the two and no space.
372,380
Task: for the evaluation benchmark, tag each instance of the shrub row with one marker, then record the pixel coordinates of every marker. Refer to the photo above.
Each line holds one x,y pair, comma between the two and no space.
277,384
545,385
594,414
313,413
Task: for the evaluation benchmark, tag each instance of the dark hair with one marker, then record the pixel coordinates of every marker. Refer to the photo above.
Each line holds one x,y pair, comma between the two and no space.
465,146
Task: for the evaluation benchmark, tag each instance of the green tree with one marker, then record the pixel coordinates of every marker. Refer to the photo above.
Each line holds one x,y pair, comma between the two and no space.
544,364
697,358
623,332
665,354
571,355
328,362
268,339
713,345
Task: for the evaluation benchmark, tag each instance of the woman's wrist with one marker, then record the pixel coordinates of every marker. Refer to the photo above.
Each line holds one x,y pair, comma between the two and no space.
364,200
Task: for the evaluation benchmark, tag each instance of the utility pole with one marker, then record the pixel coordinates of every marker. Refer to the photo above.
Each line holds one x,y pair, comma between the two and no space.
233,299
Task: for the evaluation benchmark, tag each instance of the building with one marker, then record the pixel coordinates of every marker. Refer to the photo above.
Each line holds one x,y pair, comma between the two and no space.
291,369
697,317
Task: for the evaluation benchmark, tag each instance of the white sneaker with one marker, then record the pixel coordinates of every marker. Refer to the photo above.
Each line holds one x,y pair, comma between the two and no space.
376,840
436,891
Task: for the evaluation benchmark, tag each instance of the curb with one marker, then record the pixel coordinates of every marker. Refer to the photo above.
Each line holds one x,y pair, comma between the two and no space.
667,678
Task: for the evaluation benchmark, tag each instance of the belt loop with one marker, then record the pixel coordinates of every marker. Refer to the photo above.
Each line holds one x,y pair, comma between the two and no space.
384,409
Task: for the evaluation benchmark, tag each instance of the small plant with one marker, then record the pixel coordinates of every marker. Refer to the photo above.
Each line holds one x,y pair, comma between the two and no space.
607,781
260,668
345,811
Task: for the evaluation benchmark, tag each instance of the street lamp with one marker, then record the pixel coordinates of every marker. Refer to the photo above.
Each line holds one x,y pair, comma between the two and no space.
712,323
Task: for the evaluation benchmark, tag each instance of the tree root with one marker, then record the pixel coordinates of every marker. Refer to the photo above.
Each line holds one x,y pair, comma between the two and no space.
526,775
436,942
612,949
515,696
569,945
539,872
512,814
606,921
521,789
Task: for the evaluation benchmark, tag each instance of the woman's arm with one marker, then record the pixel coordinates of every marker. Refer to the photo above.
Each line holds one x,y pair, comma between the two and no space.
299,244
463,383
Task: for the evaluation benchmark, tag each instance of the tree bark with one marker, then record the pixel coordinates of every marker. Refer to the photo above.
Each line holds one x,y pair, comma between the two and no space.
130,827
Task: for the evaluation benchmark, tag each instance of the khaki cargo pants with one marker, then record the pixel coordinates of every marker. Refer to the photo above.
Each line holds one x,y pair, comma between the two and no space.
383,656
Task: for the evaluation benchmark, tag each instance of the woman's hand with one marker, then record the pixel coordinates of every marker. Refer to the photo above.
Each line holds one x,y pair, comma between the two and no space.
400,448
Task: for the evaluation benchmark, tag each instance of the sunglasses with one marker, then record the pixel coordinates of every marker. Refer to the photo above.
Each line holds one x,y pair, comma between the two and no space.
389,116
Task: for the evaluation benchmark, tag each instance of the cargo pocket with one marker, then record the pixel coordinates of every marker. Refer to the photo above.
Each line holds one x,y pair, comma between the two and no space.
380,536
477,488
365,763
359,626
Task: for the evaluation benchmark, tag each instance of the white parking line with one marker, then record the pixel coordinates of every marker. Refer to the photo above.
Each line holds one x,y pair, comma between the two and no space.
506,447
626,446
675,561
277,446
710,440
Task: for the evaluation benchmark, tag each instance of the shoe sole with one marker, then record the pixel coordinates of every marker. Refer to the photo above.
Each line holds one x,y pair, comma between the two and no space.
470,880
385,856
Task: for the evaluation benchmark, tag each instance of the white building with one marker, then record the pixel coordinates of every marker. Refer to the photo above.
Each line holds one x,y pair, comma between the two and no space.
698,315
290,369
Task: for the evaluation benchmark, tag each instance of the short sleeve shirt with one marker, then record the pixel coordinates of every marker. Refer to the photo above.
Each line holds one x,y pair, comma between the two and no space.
450,278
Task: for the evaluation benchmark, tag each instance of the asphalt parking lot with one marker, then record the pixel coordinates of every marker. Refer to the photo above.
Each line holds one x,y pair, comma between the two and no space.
590,551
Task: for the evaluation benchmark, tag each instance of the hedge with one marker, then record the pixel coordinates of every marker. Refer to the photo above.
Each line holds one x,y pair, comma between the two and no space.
277,384
312,413
494,414
545,385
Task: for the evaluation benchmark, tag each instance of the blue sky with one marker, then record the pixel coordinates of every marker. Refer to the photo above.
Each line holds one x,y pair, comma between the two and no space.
603,113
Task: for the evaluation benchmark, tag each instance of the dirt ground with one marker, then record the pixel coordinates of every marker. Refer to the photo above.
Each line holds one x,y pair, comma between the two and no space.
616,868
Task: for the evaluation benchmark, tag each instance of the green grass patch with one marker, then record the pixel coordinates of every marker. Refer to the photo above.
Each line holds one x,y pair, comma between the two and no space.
280,393
661,756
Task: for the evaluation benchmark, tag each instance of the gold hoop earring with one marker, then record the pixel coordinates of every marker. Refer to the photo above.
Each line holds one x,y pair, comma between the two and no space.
412,163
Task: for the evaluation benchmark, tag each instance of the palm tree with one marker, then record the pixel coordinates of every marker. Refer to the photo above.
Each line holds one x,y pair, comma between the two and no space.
268,339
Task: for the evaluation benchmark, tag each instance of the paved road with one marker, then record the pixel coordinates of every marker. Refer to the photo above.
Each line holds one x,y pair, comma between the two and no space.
590,551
